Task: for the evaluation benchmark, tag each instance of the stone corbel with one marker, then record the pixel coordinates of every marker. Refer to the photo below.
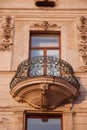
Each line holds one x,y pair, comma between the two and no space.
7,34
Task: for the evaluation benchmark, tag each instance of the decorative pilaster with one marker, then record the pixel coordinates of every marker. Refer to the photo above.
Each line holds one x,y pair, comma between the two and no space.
18,122
7,34
82,28
68,120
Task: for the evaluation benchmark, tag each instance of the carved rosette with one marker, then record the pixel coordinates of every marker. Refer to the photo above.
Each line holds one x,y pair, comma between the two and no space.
7,34
82,28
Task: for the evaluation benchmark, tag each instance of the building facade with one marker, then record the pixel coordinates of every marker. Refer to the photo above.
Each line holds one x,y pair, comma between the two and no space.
43,64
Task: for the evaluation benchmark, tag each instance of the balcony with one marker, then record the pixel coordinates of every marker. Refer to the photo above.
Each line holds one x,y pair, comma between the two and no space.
44,83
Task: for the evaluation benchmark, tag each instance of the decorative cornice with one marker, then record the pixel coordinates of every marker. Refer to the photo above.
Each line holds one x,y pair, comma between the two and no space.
7,27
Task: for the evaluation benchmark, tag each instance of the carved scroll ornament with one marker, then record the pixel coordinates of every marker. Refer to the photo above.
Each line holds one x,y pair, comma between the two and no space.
7,30
45,25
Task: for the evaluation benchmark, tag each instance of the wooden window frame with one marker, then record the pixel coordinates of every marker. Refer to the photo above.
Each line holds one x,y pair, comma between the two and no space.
38,33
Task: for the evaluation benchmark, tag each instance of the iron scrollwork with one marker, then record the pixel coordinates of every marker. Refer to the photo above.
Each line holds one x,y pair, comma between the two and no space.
44,66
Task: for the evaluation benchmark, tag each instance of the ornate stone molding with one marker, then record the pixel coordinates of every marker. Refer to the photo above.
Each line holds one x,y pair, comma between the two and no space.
83,53
7,31
83,29
45,25
42,101
19,99
44,98
83,42
44,93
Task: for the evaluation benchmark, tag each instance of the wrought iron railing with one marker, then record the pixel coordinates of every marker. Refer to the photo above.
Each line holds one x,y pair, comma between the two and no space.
44,66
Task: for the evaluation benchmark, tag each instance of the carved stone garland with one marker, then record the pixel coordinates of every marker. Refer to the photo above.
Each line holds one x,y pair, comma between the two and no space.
83,41
7,27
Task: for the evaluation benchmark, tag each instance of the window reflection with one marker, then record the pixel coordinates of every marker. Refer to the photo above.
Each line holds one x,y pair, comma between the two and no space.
53,53
39,124
45,41
35,53
45,45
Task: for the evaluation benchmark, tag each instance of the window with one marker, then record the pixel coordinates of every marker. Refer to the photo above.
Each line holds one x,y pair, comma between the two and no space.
44,44
43,122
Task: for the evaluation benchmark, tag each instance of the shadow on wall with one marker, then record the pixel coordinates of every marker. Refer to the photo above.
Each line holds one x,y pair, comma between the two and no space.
80,102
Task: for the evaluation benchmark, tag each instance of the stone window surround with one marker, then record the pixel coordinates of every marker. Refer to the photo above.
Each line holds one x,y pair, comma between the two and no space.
30,28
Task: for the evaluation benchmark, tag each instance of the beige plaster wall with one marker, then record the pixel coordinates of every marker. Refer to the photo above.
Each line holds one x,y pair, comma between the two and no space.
66,16
68,4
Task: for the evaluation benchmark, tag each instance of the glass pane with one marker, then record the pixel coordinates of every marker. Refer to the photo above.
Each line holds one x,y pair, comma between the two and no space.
39,124
52,66
53,53
44,41
35,53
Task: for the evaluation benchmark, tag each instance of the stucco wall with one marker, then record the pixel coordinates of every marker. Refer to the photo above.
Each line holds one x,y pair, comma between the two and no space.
66,15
